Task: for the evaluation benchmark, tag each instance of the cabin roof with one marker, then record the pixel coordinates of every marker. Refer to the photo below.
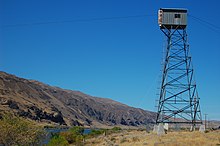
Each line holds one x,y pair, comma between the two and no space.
174,10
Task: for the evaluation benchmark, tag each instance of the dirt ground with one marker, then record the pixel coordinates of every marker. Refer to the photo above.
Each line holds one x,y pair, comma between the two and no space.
142,138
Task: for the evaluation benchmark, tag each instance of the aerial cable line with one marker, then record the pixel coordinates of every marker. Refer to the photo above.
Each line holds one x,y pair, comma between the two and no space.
209,25
75,20
215,26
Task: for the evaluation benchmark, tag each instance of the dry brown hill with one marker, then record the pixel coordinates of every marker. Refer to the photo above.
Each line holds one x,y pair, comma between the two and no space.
44,103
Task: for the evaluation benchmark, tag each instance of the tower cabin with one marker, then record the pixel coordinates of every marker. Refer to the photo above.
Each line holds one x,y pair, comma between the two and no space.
172,18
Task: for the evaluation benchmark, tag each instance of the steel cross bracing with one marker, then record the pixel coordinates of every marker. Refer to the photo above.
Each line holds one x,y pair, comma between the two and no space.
179,101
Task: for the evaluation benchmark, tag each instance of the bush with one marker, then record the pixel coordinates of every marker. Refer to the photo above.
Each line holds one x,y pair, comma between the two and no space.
96,132
116,129
73,135
19,131
58,140
77,130
79,139
68,136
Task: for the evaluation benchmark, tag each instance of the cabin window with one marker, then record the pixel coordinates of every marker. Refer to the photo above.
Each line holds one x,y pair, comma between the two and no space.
177,16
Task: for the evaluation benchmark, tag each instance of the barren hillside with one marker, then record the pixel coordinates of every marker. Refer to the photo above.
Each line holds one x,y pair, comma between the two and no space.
44,103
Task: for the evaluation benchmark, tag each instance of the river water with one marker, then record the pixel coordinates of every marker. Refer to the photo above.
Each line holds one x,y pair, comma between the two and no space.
51,131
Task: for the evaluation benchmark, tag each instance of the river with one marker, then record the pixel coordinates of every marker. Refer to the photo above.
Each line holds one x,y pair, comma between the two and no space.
51,131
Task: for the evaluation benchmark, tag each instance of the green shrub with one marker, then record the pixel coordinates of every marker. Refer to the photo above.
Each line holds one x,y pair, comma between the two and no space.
97,132
79,139
73,135
77,130
68,136
58,140
18,131
116,129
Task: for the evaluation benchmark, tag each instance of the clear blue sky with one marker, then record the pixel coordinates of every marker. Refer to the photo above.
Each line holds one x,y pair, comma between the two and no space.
112,58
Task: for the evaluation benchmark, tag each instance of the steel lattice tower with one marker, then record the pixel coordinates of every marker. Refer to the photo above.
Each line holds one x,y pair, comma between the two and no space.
178,101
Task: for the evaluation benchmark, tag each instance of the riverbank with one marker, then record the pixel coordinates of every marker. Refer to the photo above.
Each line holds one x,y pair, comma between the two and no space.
140,138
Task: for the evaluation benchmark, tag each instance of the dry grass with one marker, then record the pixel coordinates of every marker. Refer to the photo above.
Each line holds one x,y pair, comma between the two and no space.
141,138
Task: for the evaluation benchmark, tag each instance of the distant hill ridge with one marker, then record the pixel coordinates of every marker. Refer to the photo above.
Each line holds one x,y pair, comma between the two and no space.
43,103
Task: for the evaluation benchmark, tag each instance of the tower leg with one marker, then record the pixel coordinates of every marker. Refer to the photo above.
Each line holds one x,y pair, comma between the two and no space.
178,101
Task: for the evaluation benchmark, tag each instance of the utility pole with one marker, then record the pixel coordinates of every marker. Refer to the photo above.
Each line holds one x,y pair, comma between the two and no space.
205,120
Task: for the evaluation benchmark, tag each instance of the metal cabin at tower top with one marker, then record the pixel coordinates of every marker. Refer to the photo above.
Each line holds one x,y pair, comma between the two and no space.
170,18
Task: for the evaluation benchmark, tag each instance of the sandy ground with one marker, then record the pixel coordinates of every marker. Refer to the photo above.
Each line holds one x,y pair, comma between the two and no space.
142,138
